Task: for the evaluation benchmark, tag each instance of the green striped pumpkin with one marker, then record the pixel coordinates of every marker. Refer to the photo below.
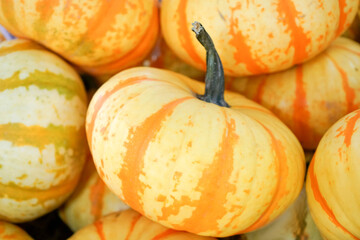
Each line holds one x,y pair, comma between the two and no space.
42,139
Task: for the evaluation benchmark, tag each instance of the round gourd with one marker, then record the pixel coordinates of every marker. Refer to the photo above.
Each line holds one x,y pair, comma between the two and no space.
90,201
333,178
310,97
256,37
12,232
130,225
100,36
42,134
187,160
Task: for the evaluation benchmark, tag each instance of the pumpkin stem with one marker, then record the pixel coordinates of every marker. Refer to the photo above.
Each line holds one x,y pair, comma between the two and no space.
214,78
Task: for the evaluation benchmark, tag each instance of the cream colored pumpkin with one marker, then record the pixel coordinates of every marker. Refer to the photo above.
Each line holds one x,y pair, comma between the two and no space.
42,137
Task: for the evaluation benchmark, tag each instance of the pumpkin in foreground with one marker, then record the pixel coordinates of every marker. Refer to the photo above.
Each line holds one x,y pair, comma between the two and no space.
90,201
192,164
100,36
256,37
333,178
42,134
130,225
310,97
13,232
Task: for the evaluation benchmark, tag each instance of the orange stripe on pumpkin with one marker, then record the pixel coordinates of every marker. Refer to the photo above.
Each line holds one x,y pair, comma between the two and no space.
96,198
301,114
138,140
99,229
135,219
243,52
349,92
281,186
102,99
349,128
299,40
165,234
184,34
260,90
342,18
322,201
217,186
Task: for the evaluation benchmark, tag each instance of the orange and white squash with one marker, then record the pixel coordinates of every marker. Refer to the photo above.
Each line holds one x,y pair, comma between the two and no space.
90,201
42,134
333,178
256,37
130,225
310,97
12,232
100,36
187,163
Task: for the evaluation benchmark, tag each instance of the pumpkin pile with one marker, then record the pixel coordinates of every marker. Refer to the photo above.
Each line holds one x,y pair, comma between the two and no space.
180,119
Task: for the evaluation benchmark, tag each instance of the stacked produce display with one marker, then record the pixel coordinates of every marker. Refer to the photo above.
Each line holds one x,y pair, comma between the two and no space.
178,119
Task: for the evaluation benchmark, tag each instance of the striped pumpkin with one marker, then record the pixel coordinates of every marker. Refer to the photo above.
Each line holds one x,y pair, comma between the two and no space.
42,135
100,36
256,37
310,97
332,183
12,232
188,164
90,201
130,225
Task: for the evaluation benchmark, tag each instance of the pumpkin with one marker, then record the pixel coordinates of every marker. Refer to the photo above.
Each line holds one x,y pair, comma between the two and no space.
100,36
130,225
193,161
256,37
42,134
332,180
90,201
293,224
310,97
13,232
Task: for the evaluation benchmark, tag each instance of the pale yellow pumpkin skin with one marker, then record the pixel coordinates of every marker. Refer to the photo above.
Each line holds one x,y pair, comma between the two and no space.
188,164
90,201
310,97
255,37
100,36
42,134
333,178
130,225
12,232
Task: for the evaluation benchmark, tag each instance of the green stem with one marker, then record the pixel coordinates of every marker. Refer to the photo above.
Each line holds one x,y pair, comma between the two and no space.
214,78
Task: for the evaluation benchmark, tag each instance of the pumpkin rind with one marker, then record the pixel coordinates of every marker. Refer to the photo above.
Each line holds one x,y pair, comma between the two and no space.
179,160
90,201
130,225
42,135
332,180
13,232
310,97
100,36
256,37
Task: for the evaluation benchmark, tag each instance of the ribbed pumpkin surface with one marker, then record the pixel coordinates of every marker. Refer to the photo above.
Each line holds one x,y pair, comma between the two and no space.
90,201
12,232
256,37
130,225
310,97
101,36
42,137
189,164
333,178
